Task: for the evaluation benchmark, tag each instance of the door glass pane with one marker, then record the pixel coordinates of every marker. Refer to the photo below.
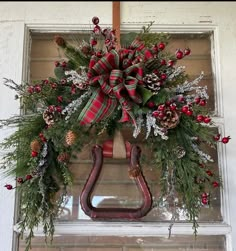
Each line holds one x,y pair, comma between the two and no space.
111,243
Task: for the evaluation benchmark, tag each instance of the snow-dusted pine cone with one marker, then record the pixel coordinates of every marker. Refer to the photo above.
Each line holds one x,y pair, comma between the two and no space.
48,117
70,138
152,82
180,152
35,145
170,119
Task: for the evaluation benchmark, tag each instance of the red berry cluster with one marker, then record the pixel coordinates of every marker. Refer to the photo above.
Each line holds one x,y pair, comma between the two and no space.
108,34
224,140
19,180
62,64
201,118
179,54
200,101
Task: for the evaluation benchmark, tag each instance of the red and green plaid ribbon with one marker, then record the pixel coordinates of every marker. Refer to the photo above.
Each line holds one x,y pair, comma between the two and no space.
116,75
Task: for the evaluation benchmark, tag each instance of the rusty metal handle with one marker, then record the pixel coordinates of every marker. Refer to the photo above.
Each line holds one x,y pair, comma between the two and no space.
115,213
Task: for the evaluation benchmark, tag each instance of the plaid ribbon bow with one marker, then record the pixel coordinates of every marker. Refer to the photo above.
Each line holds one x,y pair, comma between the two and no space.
116,76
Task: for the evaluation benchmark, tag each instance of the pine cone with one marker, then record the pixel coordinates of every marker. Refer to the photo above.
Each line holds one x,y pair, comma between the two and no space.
35,145
170,120
180,152
70,138
63,157
48,117
152,82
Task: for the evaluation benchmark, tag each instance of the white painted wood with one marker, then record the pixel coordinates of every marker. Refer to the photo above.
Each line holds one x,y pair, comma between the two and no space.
11,55
218,17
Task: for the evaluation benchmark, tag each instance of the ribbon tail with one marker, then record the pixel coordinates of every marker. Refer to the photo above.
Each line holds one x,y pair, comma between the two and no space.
127,115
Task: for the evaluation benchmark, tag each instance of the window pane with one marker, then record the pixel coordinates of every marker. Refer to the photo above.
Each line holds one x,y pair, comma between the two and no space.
101,243
114,188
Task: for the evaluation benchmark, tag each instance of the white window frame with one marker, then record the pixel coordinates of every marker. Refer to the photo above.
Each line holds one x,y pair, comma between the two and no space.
133,228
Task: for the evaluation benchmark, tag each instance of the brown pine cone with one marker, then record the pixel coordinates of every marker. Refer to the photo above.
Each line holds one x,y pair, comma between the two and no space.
63,157
35,145
70,138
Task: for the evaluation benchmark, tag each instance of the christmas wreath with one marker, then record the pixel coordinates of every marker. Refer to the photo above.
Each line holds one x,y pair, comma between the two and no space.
101,89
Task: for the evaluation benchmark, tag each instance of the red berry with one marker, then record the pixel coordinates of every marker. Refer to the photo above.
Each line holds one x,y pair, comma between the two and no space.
97,29
56,63
155,114
173,107
215,184
51,108
179,54
53,85
204,201
181,98
204,195
59,99
151,104
20,180
8,186
93,42
63,81
95,20
209,173
200,118
207,120
197,100
30,89
225,140
37,88
34,154
28,177
161,107
189,113
202,102
217,137
163,76
187,51
58,109
170,63
41,136
64,64
163,62
168,103
46,81
161,115
161,46
184,108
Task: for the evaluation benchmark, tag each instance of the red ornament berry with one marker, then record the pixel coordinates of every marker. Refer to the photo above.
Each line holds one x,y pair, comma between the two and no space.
63,81
207,120
53,85
217,137
200,118
215,184
161,107
173,107
197,100
168,103
209,173
225,140
204,201
41,136
97,29
184,108
155,114
187,51
151,104
161,115
95,20
64,64
202,102
163,62
8,186
58,109
20,180
161,46
28,177
46,81
179,54
181,99
189,113
93,42
170,63
37,88
204,195
34,154
30,89
56,63
163,76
